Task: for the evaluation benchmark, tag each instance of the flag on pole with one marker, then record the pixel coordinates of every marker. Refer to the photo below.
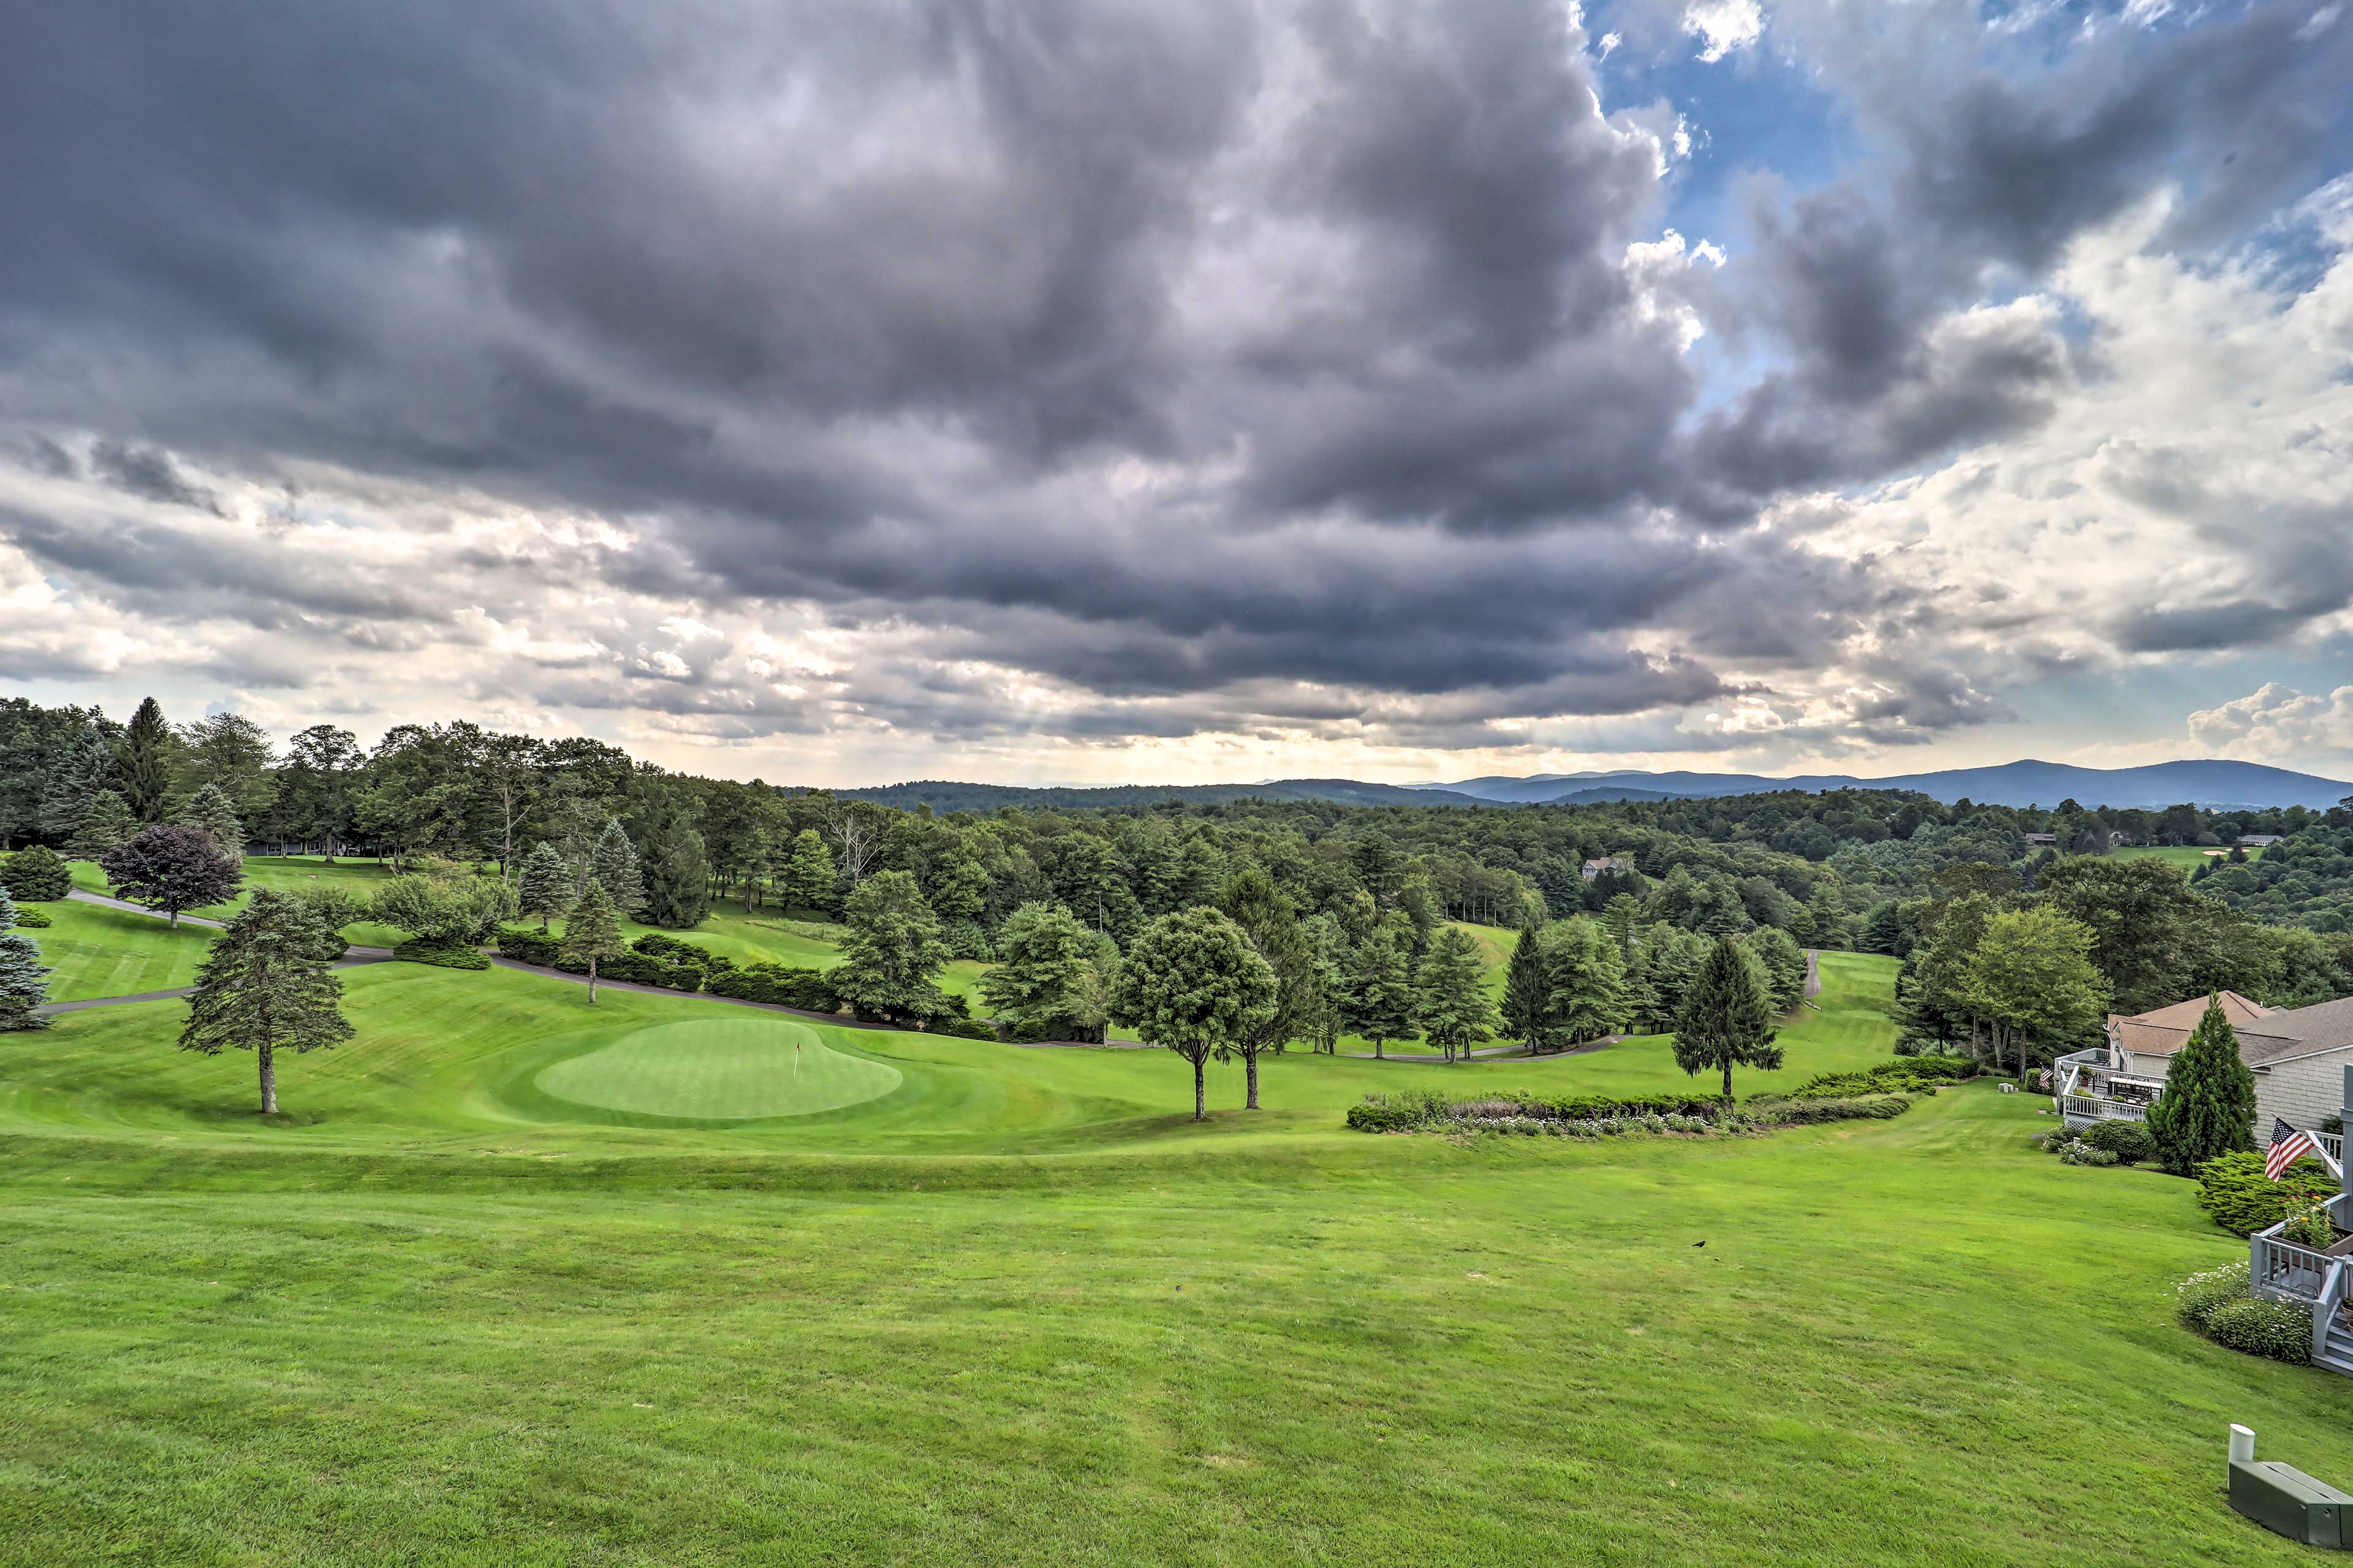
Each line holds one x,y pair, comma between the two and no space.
2288,1146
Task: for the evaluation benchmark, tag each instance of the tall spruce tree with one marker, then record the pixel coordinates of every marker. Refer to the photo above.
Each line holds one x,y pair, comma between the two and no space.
615,865
144,765
86,768
1726,1021
105,824
1586,979
591,933
544,887
1379,1005
24,981
675,872
2208,1104
211,813
1450,1003
1527,990
264,988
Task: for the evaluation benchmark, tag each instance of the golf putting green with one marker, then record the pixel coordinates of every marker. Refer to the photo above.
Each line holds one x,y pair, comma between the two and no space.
724,1069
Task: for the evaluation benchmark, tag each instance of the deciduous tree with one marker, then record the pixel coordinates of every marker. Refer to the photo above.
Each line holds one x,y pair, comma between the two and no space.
891,952
1048,984
172,868
1192,982
264,988
2033,980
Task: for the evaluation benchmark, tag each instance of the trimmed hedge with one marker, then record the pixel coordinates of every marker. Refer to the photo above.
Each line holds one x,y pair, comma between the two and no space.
964,1028
807,989
2233,1189
534,947
444,957
1849,1107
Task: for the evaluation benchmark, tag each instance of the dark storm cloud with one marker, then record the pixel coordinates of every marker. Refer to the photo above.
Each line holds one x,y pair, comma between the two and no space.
1175,354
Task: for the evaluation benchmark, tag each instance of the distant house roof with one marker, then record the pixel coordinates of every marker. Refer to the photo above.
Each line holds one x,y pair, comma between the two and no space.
2261,838
2042,837
1607,863
2266,1035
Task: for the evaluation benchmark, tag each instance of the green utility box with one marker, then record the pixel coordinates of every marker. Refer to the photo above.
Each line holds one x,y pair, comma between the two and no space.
2281,1498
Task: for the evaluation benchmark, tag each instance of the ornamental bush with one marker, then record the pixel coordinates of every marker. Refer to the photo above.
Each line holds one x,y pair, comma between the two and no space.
529,946
2129,1142
965,1029
2083,1153
32,918
807,989
1906,1074
2195,1298
1866,1107
36,874
2277,1330
2233,1189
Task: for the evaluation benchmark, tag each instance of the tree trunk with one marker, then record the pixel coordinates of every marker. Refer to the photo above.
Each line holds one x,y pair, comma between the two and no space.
592,978
268,1080
1200,1093
1376,1050
1727,1081
1250,1067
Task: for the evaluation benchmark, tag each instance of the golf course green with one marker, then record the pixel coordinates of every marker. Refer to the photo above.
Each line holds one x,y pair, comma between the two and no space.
719,1070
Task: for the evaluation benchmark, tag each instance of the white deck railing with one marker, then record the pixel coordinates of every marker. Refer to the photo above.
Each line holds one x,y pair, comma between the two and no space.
2281,1269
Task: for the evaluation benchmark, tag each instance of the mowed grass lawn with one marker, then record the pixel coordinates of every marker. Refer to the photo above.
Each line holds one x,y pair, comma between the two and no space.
2185,856
1018,1310
93,951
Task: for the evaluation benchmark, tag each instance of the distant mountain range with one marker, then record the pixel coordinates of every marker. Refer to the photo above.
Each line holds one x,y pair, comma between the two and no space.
2216,784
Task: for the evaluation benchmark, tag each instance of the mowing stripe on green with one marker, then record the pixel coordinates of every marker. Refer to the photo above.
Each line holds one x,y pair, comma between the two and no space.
719,1070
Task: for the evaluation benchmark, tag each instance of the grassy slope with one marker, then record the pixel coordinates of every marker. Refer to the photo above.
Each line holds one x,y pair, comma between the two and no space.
2186,857
96,951
1021,1312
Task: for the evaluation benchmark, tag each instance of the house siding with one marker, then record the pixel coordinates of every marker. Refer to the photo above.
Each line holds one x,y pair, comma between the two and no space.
2301,1093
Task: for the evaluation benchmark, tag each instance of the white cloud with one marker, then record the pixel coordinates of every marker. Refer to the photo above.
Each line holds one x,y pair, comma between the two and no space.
1724,26
2279,724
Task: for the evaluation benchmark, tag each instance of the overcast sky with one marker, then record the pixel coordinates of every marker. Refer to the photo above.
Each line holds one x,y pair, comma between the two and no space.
1074,391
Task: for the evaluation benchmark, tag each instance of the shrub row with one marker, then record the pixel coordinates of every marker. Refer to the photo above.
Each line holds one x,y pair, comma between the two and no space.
808,989
1906,1075
1412,1111
440,955
2219,1304
2233,1189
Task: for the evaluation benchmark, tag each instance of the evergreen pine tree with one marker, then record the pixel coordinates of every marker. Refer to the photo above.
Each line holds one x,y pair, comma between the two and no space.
1380,1006
23,984
74,782
1587,980
2208,1104
592,932
144,765
615,865
1726,1021
104,824
213,814
676,873
544,886
808,872
264,988
1527,991
1450,993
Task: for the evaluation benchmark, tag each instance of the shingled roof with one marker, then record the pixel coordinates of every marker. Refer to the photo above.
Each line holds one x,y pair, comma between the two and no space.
2265,1034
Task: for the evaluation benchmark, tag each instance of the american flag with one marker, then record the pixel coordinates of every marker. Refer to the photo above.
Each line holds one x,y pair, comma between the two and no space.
2288,1146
